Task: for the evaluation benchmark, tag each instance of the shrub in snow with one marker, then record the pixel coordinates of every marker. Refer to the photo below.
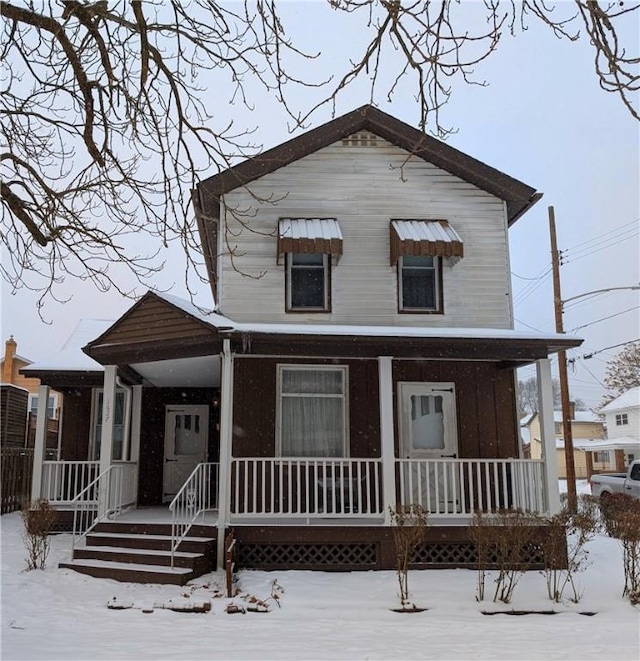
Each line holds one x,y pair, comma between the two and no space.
564,547
409,524
612,505
38,519
628,532
502,539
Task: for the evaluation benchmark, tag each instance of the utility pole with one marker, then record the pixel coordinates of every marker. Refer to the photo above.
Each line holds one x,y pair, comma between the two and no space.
562,370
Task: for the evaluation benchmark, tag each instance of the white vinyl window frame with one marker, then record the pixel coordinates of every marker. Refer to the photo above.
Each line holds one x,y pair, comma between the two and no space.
94,440
435,268
344,370
52,405
325,267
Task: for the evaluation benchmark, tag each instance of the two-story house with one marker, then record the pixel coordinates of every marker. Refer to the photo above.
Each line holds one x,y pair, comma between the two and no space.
587,431
361,355
622,420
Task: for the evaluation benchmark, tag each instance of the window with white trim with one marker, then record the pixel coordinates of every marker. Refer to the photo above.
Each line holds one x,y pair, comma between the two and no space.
308,283
120,425
419,283
52,405
622,419
312,411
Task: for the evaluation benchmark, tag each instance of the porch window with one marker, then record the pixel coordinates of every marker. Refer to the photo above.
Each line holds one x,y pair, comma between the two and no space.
312,411
419,283
601,457
120,426
308,282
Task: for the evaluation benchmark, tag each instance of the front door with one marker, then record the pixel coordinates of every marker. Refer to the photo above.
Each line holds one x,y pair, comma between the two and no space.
185,445
428,433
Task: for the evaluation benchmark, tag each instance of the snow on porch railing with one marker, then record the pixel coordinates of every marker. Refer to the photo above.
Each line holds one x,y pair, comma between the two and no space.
62,481
106,496
459,487
197,495
303,487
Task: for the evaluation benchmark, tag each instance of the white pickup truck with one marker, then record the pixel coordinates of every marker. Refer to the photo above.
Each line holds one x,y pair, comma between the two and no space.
607,483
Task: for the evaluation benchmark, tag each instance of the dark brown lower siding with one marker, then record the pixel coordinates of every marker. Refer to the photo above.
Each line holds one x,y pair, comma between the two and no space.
355,548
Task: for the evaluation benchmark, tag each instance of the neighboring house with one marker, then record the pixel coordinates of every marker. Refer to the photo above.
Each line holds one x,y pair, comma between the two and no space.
361,356
622,419
17,386
587,429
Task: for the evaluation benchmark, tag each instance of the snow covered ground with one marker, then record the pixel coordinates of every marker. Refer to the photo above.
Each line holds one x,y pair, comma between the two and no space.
59,614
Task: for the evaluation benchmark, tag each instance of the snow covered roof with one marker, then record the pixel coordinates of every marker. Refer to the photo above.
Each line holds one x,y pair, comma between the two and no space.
622,443
629,399
212,318
424,237
71,357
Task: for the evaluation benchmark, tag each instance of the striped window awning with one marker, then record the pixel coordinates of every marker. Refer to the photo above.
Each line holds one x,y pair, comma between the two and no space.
309,235
435,238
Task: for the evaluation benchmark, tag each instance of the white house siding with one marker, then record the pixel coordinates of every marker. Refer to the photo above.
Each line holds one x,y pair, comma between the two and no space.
618,431
365,187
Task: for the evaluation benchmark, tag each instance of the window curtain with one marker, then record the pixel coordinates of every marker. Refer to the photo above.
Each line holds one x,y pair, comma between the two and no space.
312,413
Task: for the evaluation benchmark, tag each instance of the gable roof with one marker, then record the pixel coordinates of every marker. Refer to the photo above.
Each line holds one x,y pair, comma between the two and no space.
518,196
629,399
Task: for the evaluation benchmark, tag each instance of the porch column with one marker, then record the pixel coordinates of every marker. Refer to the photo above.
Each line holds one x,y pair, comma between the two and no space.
547,434
619,457
226,438
40,446
136,417
106,436
387,438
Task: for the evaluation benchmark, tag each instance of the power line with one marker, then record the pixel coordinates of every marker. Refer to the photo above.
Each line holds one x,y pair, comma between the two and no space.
600,236
586,356
611,316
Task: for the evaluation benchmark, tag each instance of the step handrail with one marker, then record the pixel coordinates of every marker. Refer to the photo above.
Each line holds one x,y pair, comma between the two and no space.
113,505
190,501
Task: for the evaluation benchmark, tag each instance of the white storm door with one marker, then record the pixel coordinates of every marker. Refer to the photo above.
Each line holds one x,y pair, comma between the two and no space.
185,445
429,440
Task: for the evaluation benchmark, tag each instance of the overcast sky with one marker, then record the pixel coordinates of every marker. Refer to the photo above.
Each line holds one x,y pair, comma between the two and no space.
543,119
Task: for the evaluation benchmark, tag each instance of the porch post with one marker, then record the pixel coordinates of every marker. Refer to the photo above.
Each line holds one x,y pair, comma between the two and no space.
40,445
387,439
136,417
226,437
106,436
547,433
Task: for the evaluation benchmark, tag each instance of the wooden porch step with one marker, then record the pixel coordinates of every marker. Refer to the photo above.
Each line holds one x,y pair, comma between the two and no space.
157,542
141,556
131,573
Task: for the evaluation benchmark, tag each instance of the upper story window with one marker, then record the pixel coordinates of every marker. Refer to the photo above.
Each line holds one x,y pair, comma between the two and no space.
419,284
557,426
621,419
419,247
309,245
308,282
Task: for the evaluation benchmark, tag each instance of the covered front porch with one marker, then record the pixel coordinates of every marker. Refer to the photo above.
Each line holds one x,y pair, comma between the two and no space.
203,417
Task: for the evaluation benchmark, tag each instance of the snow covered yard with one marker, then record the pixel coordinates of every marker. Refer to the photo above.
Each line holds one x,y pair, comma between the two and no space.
59,614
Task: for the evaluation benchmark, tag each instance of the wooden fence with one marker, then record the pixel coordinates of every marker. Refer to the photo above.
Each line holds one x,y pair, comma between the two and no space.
17,468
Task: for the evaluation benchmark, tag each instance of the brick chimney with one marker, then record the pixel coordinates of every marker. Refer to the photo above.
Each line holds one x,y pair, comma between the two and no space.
10,347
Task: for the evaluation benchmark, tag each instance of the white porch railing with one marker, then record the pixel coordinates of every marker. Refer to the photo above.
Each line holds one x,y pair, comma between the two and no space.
459,487
197,495
106,496
303,487
62,481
